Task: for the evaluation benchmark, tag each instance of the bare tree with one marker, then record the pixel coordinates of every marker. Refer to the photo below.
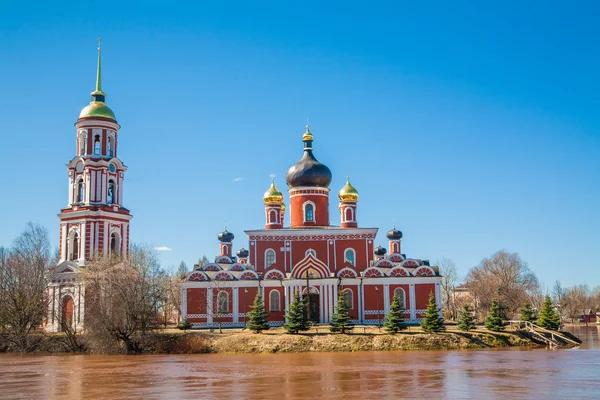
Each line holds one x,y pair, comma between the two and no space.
575,301
23,287
448,285
123,298
504,277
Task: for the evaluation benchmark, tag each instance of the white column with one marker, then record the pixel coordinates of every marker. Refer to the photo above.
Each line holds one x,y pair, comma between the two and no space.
438,298
97,238
209,306
334,298
321,303
88,189
106,241
286,291
64,241
120,190
235,305
361,303
386,299
71,190
413,308
83,232
183,303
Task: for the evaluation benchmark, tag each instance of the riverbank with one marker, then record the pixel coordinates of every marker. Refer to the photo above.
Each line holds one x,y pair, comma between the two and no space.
318,339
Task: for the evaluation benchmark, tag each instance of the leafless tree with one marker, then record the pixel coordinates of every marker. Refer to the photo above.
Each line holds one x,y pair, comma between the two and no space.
505,277
172,293
123,298
576,299
23,287
449,283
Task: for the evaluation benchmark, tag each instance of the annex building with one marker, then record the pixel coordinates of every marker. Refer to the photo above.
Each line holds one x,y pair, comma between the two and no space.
309,257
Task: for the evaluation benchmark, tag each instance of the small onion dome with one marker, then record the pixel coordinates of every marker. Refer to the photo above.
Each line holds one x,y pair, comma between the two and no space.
283,207
273,195
394,234
348,192
308,171
226,236
242,253
379,251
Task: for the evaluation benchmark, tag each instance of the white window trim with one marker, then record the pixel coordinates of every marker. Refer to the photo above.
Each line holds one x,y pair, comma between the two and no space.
274,257
314,213
272,211
403,296
352,219
274,291
353,253
226,302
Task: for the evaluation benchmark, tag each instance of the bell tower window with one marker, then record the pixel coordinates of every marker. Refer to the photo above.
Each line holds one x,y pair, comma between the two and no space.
109,147
111,192
74,250
80,191
82,142
97,145
115,244
309,213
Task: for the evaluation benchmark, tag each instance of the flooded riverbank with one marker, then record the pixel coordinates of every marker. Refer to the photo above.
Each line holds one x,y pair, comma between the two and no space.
509,373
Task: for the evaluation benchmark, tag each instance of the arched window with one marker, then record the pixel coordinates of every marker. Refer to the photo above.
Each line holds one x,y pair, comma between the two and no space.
97,145
74,250
274,301
349,214
82,140
349,256
308,213
399,292
80,191
111,192
223,302
348,298
115,244
273,216
269,258
109,147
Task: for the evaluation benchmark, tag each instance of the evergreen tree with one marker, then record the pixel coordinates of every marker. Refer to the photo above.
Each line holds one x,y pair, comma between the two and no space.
394,321
432,322
296,321
466,319
340,318
182,270
548,317
258,316
527,313
494,320
184,325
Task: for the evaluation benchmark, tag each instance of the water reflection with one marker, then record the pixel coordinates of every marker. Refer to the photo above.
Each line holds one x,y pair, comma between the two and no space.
413,374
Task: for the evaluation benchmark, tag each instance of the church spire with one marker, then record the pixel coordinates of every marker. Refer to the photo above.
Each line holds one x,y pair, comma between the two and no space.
98,94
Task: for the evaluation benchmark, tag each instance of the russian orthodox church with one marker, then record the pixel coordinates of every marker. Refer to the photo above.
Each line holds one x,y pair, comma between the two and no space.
94,223
310,257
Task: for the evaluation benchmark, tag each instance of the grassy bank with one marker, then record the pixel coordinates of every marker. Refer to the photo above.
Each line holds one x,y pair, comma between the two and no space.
237,341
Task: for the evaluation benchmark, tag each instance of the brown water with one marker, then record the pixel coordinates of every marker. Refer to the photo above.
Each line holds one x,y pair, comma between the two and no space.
483,374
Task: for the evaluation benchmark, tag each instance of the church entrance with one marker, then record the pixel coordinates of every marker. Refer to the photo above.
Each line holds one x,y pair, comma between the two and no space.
312,306
66,313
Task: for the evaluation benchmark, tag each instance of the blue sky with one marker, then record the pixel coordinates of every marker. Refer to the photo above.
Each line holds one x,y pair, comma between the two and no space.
473,128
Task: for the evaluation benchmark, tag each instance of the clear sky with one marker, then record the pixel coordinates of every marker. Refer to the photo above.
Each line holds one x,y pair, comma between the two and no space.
474,128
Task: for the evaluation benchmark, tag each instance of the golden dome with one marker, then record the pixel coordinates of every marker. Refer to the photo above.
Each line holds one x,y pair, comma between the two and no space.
348,192
273,195
97,109
283,207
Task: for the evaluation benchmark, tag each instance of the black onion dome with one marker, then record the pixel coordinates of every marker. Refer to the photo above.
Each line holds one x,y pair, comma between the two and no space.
226,236
308,171
380,251
242,253
394,234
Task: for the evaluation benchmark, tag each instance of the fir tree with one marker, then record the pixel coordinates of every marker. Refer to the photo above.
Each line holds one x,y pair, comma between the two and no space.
548,317
527,313
432,322
394,321
184,325
340,319
494,320
296,321
466,319
258,316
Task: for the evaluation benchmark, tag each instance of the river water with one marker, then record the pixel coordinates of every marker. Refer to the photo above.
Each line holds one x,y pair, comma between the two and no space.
483,374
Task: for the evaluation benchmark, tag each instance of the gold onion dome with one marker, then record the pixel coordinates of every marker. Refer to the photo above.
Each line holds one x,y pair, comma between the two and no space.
98,107
348,192
273,195
283,207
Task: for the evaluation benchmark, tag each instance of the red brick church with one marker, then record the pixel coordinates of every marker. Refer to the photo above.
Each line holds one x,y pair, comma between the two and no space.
311,257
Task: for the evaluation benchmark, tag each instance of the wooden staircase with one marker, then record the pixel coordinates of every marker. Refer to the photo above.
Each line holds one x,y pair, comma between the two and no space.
535,332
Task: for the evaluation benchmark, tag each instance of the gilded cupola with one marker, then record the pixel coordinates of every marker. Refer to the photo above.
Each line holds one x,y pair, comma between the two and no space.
348,192
273,195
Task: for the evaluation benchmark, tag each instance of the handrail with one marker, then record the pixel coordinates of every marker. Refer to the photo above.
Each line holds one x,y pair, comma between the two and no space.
532,328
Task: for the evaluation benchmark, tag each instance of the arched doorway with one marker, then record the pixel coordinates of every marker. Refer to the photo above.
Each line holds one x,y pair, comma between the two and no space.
66,313
313,304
